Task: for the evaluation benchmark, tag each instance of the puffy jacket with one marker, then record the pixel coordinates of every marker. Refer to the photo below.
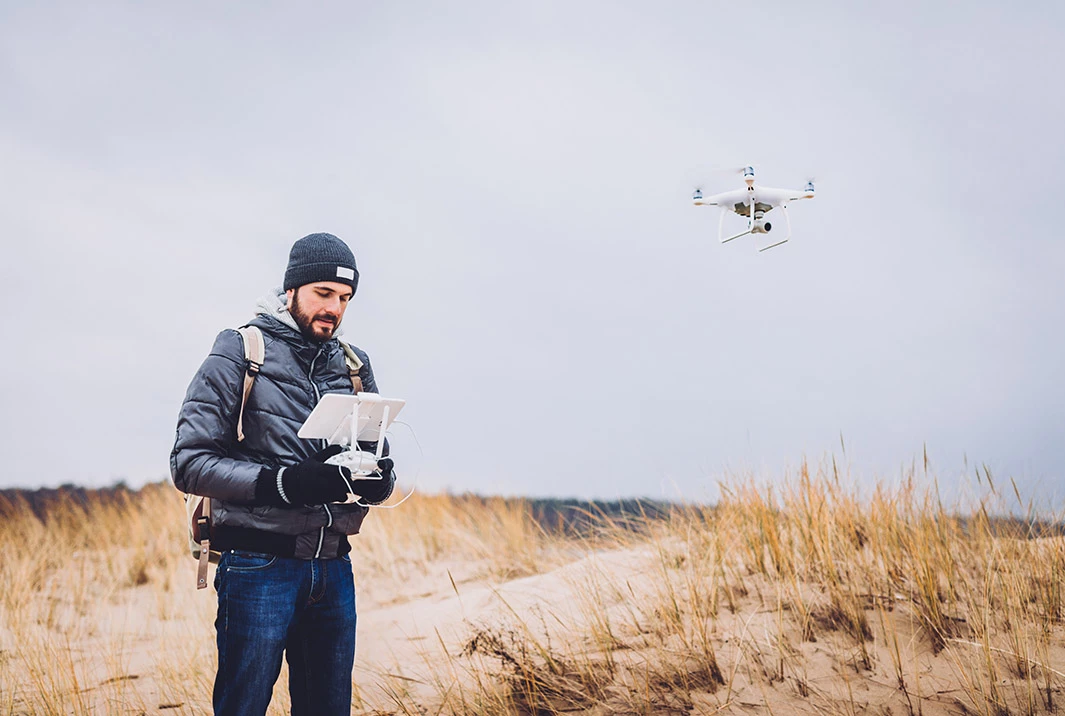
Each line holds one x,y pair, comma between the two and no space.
207,459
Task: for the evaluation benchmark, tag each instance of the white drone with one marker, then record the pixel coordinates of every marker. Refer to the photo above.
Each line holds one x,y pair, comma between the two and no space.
753,202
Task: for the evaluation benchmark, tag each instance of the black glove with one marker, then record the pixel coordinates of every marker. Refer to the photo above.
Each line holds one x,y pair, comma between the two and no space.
312,482
376,491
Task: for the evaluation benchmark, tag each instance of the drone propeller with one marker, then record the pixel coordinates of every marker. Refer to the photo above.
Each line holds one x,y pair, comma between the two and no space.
703,176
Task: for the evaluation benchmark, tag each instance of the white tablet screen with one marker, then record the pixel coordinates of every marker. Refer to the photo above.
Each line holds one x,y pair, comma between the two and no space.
331,418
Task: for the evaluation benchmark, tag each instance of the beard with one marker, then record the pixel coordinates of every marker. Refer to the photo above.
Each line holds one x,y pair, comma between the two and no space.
305,321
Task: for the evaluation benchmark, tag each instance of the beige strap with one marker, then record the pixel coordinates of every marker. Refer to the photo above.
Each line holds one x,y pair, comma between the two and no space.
203,534
254,354
354,364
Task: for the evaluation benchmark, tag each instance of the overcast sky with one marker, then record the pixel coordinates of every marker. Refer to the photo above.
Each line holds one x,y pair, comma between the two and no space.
515,182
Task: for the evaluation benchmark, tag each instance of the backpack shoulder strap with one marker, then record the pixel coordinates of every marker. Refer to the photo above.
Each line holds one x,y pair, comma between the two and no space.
354,365
254,355
198,510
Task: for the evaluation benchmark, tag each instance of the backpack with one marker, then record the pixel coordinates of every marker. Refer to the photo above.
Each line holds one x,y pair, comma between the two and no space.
198,507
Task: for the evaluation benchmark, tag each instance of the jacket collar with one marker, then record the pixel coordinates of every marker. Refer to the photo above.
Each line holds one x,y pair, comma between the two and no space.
304,349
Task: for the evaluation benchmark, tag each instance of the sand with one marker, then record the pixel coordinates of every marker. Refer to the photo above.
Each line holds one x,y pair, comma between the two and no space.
623,630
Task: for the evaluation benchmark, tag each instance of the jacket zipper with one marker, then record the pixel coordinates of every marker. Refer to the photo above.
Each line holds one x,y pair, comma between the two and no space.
318,397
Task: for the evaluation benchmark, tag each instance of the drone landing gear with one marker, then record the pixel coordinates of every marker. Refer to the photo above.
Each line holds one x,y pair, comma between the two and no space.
721,227
743,233
787,219
773,245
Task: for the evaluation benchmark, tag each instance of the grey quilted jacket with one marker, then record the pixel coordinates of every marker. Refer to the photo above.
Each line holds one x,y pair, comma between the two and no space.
207,459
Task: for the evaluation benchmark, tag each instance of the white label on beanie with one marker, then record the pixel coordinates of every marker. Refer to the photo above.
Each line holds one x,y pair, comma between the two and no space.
345,272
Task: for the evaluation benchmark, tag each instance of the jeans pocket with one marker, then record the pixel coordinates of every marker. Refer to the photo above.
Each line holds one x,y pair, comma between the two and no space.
239,561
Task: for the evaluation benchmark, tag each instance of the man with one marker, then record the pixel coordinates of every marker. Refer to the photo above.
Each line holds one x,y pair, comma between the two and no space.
284,581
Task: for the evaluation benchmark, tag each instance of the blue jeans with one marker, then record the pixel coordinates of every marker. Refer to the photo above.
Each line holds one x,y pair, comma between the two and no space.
272,605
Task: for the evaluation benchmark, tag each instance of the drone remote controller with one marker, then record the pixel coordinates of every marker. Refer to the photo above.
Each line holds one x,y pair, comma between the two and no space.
359,462
345,420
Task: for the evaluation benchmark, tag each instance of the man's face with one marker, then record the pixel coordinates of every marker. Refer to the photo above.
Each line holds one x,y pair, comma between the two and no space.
318,308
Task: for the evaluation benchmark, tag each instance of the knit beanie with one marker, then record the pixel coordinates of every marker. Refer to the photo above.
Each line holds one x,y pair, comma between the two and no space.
320,257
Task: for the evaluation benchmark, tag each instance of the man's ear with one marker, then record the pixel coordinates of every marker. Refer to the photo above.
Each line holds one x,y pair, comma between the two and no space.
288,298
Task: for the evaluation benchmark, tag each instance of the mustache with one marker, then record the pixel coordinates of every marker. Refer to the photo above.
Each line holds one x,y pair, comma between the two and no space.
326,317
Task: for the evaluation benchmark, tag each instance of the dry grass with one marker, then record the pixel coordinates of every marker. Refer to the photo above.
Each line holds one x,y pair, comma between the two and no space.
804,597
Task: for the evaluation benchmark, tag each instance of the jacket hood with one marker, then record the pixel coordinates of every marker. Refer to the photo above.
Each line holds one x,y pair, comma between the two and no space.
275,304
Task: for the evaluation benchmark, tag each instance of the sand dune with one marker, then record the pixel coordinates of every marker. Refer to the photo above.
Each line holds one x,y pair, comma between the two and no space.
809,602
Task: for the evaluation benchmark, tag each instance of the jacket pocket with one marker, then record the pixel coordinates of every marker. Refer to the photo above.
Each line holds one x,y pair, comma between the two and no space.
284,520
347,519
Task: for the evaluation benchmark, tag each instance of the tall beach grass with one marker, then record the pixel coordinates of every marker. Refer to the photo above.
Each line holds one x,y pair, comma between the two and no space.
803,596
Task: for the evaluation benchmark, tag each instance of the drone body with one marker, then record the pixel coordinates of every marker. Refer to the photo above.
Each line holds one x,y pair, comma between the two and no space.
754,202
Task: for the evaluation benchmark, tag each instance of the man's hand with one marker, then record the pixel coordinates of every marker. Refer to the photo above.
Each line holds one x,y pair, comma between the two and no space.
309,483
377,490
